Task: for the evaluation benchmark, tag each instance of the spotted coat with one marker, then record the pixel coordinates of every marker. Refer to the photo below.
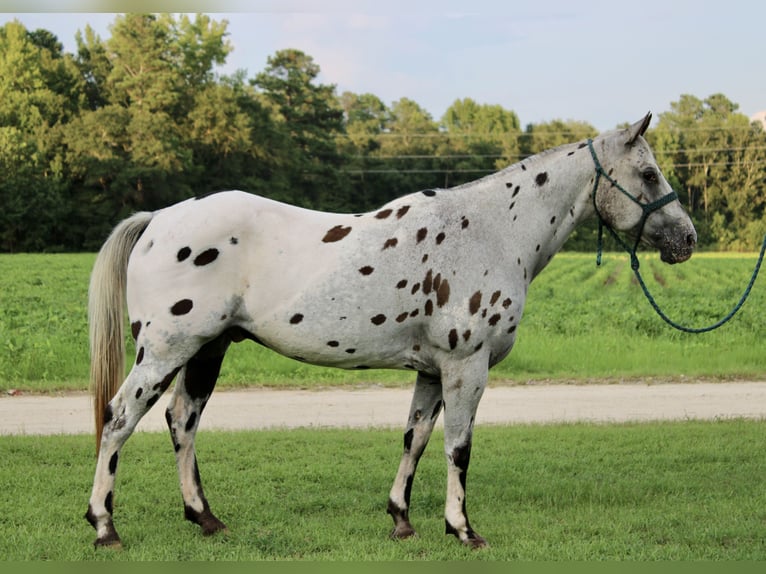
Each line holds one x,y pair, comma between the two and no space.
434,282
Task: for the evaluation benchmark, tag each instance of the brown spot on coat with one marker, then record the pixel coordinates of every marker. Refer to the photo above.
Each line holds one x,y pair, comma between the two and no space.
183,253
541,178
336,234
206,257
378,319
421,235
429,308
494,298
464,223
440,238
428,282
140,356
402,316
415,288
506,303
494,319
474,303
466,335
442,293
333,344
390,243
366,270
402,284
402,211
135,329
295,319
383,213
453,338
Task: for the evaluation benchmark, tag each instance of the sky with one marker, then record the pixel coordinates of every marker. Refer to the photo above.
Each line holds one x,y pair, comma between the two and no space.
602,62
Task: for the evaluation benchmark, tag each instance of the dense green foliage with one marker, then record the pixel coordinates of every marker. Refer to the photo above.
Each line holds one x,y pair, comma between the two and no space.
667,491
141,120
581,322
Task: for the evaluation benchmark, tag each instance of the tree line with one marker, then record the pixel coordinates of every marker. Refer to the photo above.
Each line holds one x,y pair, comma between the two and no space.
141,119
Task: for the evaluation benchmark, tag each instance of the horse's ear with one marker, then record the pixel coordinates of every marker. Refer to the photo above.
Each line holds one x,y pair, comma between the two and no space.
638,129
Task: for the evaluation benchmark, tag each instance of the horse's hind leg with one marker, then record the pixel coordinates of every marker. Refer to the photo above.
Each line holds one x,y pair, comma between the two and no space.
193,389
141,389
425,409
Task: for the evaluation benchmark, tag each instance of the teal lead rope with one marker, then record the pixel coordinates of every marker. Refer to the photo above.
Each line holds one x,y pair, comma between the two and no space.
648,208
728,316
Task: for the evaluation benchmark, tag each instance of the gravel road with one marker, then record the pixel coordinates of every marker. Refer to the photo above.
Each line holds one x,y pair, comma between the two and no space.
381,407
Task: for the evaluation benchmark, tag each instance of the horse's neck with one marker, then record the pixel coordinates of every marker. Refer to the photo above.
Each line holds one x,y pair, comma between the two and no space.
553,198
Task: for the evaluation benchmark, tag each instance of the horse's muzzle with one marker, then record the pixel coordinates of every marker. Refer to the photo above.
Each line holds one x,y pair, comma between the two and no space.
677,246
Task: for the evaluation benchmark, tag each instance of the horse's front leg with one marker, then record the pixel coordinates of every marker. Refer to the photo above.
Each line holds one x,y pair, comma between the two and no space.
425,409
463,387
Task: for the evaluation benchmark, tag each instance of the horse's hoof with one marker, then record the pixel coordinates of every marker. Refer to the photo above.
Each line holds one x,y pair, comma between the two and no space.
112,542
403,532
475,542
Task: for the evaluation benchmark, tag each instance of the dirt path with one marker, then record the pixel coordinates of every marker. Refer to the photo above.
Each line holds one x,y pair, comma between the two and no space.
378,407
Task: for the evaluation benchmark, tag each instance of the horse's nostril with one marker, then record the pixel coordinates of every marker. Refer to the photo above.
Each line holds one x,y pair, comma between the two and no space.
691,239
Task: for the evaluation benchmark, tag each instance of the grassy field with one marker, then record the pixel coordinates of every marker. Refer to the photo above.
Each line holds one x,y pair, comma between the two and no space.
668,491
581,322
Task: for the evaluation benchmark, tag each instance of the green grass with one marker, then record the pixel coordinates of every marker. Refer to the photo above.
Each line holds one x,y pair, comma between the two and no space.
665,491
581,322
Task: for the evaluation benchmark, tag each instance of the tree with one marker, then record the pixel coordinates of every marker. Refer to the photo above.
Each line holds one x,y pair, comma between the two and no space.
130,150
311,115
39,93
481,138
547,135
716,157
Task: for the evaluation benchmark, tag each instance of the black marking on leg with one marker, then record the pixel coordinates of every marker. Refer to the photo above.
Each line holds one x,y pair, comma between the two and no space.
163,385
90,516
437,409
113,463
191,422
408,439
108,504
408,489
201,375
152,400
108,414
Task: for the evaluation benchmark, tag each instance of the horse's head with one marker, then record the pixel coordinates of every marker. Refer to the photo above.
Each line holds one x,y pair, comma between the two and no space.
632,195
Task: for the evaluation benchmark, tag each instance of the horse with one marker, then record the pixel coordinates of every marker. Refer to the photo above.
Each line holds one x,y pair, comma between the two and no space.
432,282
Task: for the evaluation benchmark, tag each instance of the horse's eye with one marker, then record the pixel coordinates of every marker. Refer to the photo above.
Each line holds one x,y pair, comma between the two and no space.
650,175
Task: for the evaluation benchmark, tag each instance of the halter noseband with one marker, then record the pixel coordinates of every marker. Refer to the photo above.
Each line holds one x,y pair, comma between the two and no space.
646,208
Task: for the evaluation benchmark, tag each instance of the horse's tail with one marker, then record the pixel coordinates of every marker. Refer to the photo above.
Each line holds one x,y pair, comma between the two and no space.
106,314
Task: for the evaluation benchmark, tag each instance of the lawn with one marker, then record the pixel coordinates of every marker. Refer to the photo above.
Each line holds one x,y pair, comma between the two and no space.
662,491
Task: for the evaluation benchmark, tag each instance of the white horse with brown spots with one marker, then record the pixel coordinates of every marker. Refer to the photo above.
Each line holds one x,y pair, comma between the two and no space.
434,282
